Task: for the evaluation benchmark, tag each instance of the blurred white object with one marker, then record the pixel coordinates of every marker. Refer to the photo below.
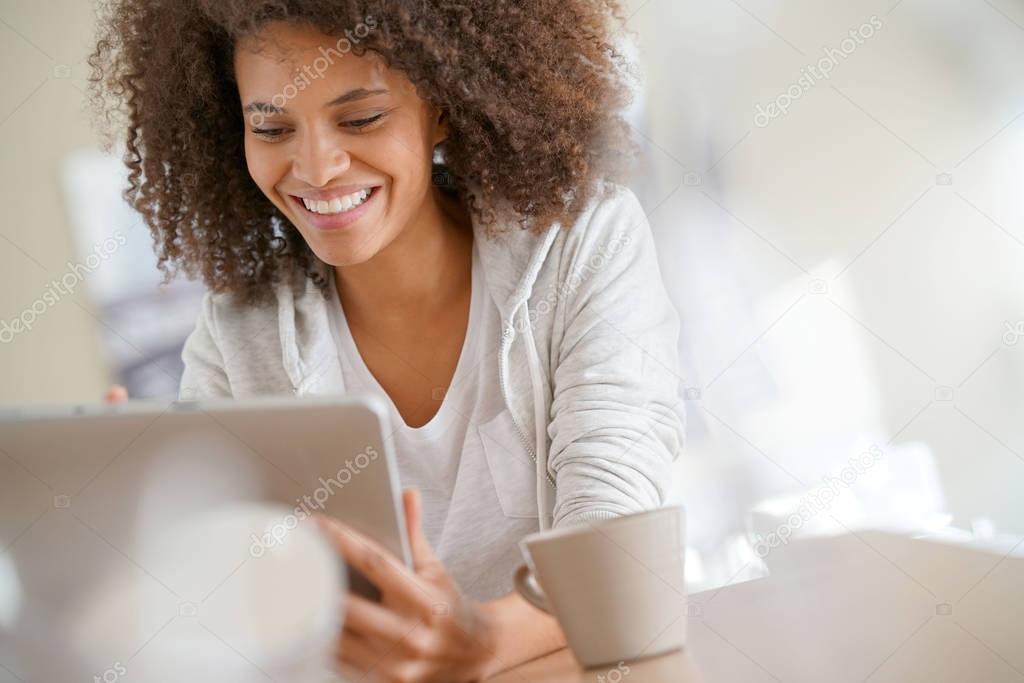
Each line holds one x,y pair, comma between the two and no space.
895,488
10,593
143,323
277,615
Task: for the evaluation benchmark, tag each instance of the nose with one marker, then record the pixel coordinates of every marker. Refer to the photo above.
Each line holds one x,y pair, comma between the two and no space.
320,159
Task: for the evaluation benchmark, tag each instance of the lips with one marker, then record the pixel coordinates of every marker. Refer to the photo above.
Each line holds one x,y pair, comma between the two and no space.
340,219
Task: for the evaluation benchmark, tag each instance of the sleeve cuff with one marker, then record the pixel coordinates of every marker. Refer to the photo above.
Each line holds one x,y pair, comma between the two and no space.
585,517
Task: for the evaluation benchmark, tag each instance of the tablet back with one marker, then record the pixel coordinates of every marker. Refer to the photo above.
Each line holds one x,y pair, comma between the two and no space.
179,495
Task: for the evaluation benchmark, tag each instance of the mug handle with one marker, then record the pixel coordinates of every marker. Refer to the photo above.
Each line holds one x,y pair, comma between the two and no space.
526,585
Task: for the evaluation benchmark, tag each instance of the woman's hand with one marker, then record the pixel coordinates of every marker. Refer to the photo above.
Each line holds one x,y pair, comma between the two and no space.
423,629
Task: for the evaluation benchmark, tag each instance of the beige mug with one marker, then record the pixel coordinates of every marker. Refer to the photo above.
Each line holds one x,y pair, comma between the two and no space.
616,586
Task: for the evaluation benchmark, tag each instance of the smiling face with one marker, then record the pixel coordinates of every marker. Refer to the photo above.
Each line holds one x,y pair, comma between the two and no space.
346,157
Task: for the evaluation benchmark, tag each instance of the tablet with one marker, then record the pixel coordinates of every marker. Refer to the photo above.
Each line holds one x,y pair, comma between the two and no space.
127,473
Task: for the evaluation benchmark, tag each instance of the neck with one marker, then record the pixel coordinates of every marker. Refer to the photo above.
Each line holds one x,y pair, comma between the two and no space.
421,270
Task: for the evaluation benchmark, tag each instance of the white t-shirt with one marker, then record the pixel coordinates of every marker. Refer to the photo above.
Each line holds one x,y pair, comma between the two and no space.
476,477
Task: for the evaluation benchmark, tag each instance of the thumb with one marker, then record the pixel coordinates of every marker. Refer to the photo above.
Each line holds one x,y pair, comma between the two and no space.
422,554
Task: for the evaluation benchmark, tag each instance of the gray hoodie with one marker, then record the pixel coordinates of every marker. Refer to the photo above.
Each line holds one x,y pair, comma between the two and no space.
587,362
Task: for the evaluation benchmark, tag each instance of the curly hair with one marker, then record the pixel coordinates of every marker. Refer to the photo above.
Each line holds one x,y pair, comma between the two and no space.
533,93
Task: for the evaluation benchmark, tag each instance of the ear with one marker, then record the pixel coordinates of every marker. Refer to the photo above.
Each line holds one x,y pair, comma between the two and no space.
441,130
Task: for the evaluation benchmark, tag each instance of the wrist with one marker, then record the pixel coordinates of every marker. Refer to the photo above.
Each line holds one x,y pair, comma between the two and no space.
515,632
493,635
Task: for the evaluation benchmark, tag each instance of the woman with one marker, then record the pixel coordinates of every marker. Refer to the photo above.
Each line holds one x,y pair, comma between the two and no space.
416,201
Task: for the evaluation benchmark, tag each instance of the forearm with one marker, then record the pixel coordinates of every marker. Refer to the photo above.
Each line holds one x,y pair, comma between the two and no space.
521,632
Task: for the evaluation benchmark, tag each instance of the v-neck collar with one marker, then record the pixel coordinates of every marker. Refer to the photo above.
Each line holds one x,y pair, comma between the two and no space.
352,360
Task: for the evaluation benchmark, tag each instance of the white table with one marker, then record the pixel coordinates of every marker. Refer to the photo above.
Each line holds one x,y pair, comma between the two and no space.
867,607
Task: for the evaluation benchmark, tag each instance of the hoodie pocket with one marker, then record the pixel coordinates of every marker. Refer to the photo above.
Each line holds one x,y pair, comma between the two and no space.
512,469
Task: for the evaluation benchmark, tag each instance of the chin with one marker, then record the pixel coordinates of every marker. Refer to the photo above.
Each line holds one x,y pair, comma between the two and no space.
350,251
344,260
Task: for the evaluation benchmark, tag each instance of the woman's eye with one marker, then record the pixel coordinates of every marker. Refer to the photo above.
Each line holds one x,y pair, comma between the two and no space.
270,133
363,123
277,133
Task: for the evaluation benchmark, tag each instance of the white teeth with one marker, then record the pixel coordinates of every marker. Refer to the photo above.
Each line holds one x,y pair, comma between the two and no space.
338,204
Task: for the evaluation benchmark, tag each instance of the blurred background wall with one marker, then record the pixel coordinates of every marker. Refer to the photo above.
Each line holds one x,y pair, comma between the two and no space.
81,302
835,190
42,120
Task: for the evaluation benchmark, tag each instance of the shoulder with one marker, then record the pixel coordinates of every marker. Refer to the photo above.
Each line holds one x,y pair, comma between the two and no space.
605,240
231,320
612,217
225,314
518,261
248,348
612,210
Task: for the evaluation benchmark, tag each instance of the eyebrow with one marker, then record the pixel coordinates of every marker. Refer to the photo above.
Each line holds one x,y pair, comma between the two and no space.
350,96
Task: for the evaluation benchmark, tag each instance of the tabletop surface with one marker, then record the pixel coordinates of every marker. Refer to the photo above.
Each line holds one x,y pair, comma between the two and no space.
865,607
